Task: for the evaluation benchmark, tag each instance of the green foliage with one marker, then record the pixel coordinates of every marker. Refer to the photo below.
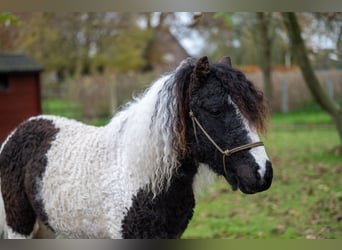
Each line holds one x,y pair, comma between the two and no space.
8,19
129,49
238,34
226,18
84,43
44,41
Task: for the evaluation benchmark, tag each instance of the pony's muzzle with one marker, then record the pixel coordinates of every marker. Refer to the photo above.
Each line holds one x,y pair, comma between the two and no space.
266,181
250,182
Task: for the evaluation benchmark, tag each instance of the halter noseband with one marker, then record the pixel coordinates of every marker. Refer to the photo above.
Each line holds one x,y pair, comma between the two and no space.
227,152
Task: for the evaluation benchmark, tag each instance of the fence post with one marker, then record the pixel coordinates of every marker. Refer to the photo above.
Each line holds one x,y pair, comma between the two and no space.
113,102
284,96
330,88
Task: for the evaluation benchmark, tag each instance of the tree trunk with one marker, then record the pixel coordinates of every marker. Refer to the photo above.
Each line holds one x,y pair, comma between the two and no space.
316,89
265,43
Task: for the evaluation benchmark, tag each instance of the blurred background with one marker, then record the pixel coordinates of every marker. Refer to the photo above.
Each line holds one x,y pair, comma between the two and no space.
87,65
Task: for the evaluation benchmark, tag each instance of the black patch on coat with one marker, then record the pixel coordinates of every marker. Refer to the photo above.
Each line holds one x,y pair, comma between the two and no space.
22,164
167,215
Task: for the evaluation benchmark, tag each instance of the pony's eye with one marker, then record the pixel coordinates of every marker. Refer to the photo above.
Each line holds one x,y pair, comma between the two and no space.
215,111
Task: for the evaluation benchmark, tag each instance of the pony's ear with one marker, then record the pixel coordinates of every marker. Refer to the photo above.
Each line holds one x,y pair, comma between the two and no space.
226,60
201,70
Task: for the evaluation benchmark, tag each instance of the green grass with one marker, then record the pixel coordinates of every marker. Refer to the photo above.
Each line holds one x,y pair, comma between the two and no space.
304,201
312,115
302,118
69,109
61,107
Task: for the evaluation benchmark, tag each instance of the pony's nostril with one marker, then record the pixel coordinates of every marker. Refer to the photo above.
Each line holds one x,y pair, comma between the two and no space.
267,179
258,176
269,171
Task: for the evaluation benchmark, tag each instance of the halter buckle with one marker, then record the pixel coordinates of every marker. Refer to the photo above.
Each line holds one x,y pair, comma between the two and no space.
227,152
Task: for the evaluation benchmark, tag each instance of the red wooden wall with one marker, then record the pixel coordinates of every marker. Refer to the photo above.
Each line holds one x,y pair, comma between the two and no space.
19,101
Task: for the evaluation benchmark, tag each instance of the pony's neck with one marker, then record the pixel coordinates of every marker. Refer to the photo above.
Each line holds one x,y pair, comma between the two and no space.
146,133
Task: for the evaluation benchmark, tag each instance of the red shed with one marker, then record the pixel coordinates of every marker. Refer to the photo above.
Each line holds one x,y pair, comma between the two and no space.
19,91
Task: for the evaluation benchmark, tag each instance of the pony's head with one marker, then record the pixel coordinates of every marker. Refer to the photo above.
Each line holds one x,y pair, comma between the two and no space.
220,113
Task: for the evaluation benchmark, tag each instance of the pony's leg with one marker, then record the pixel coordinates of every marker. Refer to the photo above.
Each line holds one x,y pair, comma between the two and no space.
15,235
19,231
20,217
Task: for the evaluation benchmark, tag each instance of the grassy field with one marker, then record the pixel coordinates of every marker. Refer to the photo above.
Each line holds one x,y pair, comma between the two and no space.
305,200
61,107
70,109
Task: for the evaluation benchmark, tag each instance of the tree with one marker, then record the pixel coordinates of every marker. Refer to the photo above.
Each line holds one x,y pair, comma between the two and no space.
74,44
301,56
321,32
265,39
249,38
42,37
9,24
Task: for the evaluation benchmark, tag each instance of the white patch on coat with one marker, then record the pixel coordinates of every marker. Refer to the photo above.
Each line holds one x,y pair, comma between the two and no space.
14,235
203,178
3,233
259,153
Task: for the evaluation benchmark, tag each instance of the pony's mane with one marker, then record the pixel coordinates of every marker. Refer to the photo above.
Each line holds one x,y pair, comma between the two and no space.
249,99
168,123
156,121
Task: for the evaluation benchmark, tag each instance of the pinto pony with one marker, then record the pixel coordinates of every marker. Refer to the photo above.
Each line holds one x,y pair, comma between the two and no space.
135,177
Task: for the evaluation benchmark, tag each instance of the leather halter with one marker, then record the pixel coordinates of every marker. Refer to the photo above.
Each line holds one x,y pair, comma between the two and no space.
227,152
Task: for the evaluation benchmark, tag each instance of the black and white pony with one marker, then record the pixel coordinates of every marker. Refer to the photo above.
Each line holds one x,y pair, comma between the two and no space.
134,178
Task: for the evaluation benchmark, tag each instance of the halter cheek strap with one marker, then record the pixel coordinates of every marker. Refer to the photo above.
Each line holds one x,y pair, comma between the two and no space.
227,152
